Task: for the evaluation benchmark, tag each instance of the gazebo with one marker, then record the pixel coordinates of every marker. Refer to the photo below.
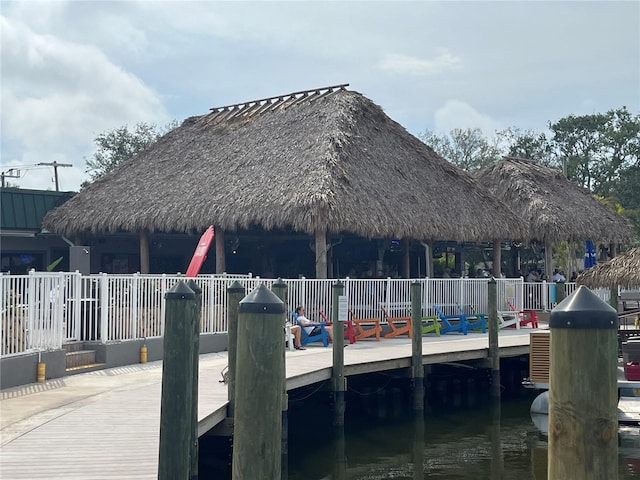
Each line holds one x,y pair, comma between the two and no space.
620,271
321,161
553,208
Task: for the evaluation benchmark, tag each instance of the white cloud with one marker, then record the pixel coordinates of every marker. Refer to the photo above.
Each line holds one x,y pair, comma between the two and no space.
58,95
458,114
405,64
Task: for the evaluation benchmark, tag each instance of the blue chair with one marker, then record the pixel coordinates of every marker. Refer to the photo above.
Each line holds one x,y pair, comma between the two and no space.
305,338
461,323
474,320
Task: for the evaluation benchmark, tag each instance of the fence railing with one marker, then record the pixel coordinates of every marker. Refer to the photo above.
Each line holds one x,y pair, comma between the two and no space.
40,311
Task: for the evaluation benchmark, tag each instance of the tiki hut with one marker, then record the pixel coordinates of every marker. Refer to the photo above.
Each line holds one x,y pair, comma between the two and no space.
553,207
320,161
621,271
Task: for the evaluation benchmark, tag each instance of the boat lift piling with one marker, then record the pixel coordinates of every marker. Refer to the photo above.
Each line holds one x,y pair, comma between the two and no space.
260,374
583,393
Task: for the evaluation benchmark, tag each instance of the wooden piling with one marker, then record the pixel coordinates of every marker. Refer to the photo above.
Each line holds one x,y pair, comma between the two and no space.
339,381
417,370
494,349
418,446
197,313
177,379
259,384
561,292
235,293
583,395
279,288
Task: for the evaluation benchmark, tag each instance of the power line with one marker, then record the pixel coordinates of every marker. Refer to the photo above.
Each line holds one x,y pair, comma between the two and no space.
55,166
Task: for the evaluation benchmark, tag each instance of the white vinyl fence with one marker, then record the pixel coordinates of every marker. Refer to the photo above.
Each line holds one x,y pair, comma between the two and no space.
40,311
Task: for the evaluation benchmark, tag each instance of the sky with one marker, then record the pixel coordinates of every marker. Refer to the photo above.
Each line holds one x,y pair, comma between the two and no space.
71,70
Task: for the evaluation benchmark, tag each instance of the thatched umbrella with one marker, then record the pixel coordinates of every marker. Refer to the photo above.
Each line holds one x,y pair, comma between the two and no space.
321,161
553,207
622,270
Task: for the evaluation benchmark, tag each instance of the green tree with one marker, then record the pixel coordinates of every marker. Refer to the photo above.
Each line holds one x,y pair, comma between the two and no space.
116,146
465,148
528,144
596,148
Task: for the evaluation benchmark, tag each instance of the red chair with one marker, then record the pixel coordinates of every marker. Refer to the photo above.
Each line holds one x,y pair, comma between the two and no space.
349,329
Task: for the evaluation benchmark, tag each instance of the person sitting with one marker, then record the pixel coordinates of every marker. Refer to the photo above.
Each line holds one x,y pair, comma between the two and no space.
558,276
532,276
312,328
295,331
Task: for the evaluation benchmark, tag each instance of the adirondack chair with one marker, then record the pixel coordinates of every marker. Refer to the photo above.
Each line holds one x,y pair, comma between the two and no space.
476,320
525,317
431,324
452,323
306,337
399,325
366,327
349,329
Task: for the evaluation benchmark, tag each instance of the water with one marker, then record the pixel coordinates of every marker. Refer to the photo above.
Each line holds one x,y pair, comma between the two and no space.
456,445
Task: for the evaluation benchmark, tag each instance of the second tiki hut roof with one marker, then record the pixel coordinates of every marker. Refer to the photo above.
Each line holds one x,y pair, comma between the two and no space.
327,159
622,270
553,207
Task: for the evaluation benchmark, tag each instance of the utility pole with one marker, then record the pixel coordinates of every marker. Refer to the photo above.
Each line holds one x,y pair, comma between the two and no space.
11,173
55,166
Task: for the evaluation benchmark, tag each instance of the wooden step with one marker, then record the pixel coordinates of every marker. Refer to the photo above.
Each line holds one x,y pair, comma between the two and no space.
72,346
81,357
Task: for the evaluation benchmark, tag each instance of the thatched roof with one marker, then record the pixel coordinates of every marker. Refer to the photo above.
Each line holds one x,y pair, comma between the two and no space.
622,270
328,160
553,207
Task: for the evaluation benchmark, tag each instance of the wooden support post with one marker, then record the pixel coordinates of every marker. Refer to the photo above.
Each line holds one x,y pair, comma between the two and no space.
321,253
144,251
417,370
418,446
406,258
279,288
548,260
497,459
497,258
494,349
338,379
221,260
561,292
193,469
177,378
235,293
259,385
583,393
339,454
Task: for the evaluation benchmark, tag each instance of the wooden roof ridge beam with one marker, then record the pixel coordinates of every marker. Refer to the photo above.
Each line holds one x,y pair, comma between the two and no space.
280,97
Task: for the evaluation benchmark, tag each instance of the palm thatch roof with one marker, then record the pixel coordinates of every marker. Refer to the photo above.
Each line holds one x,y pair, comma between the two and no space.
553,207
329,160
622,270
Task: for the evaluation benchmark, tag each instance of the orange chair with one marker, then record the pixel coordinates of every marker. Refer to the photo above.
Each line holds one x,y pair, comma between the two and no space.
372,325
349,330
525,317
399,325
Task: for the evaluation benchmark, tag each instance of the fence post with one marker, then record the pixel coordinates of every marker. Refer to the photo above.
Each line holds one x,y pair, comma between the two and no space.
583,394
416,347
338,379
177,378
494,350
260,378
104,307
197,313
235,293
135,305
279,288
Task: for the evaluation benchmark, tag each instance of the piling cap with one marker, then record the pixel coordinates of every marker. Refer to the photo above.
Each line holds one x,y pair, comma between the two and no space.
191,283
236,286
583,309
261,300
180,291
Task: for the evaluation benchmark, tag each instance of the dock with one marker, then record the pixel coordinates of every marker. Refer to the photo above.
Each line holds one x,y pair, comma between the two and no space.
105,424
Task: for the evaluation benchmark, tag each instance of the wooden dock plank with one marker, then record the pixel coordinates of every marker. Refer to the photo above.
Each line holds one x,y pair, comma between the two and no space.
105,424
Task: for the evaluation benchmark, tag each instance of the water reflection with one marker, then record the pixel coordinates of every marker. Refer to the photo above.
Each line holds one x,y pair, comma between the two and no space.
499,442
